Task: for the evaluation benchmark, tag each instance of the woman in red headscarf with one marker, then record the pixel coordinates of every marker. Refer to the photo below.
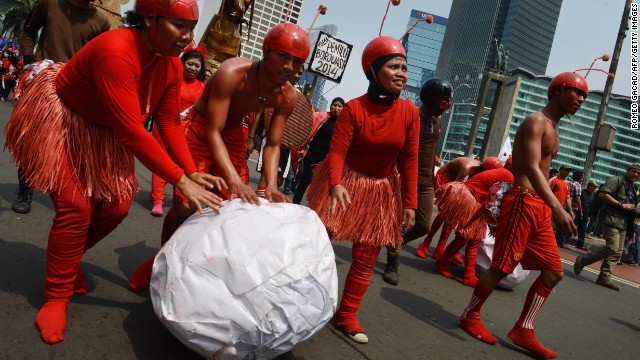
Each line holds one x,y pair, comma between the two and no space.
367,202
77,128
192,87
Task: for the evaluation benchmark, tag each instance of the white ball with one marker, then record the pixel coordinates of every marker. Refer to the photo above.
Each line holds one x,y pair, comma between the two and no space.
249,282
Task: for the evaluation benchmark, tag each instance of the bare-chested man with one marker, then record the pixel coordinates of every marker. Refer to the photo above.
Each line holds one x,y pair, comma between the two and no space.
215,132
455,170
524,233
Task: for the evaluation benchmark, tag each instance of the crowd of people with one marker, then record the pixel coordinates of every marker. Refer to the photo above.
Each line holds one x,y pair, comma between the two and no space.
367,169
12,65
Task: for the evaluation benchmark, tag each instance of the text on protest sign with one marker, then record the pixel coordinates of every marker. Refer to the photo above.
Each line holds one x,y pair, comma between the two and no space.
329,58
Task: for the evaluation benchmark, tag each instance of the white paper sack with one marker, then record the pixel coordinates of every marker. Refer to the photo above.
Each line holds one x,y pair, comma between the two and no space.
249,283
483,263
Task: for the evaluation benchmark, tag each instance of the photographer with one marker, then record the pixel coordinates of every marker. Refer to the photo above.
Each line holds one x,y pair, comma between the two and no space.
620,196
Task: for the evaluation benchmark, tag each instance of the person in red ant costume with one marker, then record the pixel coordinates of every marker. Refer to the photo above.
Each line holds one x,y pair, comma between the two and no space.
193,60
215,131
83,123
367,203
463,208
457,169
524,233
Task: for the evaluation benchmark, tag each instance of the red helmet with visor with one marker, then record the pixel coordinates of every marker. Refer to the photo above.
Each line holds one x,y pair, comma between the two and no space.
289,39
568,79
378,47
182,9
491,163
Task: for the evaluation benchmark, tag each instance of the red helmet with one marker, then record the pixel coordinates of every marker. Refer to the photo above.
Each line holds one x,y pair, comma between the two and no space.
568,79
491,163
380,46
183,9
509,163
289,39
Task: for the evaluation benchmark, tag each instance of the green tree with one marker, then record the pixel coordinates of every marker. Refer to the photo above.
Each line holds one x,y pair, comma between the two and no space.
16,15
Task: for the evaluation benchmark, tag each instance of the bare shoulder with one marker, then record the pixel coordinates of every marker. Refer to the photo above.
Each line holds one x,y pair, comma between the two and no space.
534,123
289,98
237,66
232,71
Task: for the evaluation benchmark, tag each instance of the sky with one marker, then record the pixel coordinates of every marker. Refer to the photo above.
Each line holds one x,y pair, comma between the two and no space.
586,30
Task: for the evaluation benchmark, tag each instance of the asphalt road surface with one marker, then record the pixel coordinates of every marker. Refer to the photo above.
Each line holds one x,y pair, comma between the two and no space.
415,320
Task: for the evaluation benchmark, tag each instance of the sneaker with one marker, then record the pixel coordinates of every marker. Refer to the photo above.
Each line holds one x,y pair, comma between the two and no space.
578,265
287,191
358,337
608,284
356,334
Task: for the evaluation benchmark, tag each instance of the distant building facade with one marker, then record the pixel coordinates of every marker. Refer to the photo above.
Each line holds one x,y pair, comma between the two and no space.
529,94
266,14
478,30
423,45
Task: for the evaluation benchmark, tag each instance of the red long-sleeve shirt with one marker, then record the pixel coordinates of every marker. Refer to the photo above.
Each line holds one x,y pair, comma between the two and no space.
190,93
371,137
114,81
481,183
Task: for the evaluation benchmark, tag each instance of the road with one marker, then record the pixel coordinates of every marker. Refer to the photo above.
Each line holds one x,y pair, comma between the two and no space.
415,320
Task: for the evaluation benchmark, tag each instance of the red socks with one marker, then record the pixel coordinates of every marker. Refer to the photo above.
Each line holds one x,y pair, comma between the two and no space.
470,320
470,254
142,276
423,249
522,333
442,267
80,284
358,279
442,264
442,242
526,339
51,321
536,297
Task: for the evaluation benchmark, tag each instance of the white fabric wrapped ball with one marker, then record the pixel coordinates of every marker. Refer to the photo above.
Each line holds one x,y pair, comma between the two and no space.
483,263
248,282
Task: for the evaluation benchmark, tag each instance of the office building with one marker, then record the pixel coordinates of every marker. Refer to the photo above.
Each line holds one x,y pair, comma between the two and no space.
525,93
423,48
266,14
476,31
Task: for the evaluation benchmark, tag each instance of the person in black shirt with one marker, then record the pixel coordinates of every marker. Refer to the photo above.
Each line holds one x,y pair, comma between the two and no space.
318,148
586,197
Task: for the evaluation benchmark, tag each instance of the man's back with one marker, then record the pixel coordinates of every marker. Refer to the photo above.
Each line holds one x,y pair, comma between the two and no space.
65,28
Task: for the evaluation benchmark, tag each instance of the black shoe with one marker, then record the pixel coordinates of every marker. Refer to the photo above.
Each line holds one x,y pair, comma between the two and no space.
22,205
287,191
608,284
578,265
391,270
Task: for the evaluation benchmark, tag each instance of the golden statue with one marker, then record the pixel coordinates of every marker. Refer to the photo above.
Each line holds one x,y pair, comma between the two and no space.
224,33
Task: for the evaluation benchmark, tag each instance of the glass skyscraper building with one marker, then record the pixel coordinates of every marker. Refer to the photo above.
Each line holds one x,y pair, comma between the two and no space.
266,14
476,30
423,48
574,139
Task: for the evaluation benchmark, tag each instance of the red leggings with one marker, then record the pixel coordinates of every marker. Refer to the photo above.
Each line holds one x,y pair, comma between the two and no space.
364,259
158,184
78,225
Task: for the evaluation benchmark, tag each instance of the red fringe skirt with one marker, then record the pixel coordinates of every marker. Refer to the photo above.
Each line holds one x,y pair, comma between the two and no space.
374,216
43,131
461,211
